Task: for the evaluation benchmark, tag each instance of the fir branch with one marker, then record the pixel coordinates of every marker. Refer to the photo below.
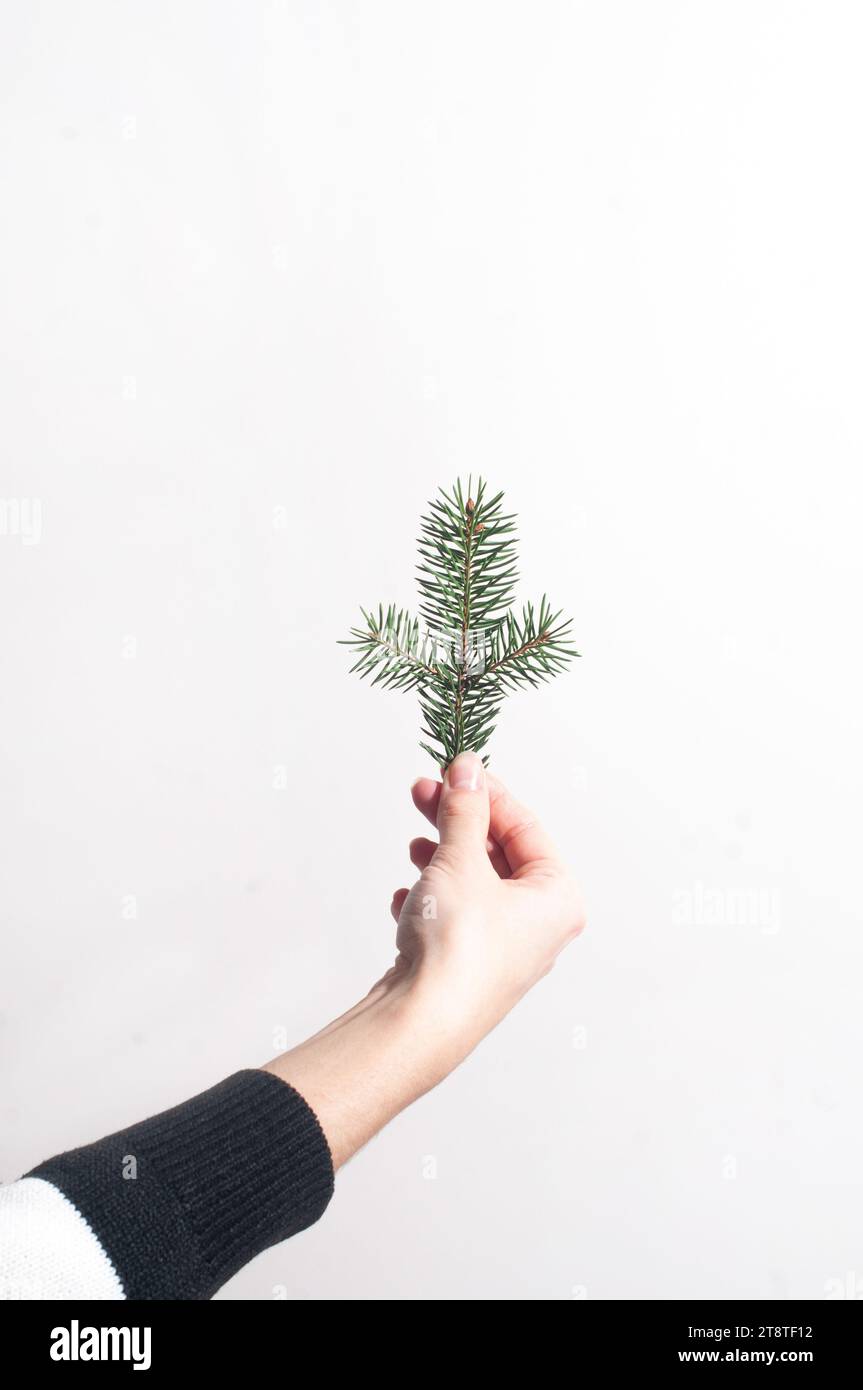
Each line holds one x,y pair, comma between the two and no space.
467,649
392,645
532,651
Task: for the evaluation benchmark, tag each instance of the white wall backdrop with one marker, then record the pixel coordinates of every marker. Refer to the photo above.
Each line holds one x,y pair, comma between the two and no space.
271,272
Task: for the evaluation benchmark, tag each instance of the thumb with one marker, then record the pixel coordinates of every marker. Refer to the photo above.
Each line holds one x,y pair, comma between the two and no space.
463,810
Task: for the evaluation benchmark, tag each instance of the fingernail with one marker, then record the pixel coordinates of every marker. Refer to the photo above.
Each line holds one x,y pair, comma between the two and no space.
466,772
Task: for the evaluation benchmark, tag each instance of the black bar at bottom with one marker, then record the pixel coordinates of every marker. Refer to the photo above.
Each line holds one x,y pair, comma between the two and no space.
257,1338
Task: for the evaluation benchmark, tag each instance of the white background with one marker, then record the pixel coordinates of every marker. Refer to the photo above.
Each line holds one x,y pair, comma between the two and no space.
325,257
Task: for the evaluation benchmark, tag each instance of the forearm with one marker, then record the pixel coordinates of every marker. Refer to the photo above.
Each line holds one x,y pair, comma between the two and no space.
369,1064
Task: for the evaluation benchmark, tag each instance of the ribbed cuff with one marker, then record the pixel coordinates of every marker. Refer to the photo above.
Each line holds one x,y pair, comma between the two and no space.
181,1201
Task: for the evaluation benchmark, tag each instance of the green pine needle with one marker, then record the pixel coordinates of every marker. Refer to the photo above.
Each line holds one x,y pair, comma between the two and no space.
468,649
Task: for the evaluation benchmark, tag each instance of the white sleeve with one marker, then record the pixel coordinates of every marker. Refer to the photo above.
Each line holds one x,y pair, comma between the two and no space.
47,1250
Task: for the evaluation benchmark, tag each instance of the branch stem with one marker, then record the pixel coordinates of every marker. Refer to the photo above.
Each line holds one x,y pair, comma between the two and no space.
536,641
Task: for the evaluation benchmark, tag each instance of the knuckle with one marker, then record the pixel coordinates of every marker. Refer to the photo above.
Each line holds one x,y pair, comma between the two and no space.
512,833
459,806
448,859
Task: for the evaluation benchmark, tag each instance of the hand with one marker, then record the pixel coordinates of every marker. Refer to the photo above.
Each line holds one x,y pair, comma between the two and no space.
492,909
489,915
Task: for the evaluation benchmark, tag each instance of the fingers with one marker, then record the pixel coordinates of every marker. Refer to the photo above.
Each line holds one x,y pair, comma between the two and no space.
517,831
463,809
426,797
426,794
515,841
398,902
421,851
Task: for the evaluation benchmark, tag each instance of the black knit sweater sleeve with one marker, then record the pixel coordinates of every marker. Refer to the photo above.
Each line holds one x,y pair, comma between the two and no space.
181,1201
